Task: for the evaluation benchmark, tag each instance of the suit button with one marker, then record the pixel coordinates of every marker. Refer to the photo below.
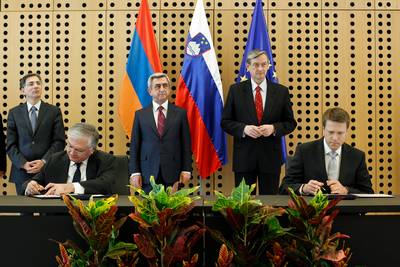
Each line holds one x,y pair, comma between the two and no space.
33,142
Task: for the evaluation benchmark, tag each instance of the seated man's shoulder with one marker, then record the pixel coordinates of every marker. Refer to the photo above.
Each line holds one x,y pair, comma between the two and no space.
310,145
101,155
351,149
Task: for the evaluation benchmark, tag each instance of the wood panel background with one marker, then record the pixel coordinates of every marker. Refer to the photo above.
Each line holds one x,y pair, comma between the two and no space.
329,53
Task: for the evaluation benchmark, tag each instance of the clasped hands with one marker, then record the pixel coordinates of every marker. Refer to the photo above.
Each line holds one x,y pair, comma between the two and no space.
335,186
258,131
136,180
33,166
34,188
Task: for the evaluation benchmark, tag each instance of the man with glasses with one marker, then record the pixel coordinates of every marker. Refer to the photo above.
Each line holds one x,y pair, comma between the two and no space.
35,131
80,169
257,114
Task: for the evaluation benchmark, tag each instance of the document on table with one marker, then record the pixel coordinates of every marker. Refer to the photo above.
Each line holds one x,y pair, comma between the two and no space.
373,195
46,196
78,196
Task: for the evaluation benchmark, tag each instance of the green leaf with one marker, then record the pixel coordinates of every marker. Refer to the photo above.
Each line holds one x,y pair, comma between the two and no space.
120,249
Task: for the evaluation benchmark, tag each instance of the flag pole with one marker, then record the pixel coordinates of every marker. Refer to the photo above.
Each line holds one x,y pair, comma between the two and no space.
203,215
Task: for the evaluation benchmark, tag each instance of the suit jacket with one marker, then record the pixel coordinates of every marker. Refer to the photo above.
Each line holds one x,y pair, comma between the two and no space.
100,172
263,154
171,152
308,164
3,160
25,145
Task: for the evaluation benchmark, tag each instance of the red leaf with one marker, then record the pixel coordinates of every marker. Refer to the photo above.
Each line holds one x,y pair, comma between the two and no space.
225,257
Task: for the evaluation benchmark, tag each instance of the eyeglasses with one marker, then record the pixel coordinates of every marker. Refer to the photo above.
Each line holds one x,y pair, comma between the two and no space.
73,149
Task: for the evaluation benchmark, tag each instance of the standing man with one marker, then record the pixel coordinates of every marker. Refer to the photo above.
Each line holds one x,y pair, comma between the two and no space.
35,130
3,159
257,114
160,144
328,163
80,169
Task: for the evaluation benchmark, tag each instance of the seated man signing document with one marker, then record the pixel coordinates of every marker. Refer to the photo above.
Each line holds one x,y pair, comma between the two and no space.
80,169
328,164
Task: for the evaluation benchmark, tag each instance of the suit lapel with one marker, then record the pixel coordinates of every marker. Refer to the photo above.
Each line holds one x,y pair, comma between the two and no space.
270,96
343,163
149,117
91,167
171,114
64,168
25,115
249,98
320,159
42,111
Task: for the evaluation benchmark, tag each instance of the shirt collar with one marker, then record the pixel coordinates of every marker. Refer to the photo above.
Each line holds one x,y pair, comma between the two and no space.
262,85
37,105
327,149
71,163
164,105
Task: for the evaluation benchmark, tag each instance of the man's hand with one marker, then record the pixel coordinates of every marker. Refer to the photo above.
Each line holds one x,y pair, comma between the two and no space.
267,129
33,166
185,177
136,181
59,189
312,187
252,131
336,187
33,188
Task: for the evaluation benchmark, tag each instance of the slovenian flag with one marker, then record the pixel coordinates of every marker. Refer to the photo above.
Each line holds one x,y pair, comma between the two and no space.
259,39
143,60
199,91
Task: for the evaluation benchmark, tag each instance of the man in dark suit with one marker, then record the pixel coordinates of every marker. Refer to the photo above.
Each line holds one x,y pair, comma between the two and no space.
35,130
80,169
257,114
328,164
160,142
3,160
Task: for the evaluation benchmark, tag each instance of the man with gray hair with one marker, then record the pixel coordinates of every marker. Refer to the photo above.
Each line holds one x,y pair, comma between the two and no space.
257,114
160,144
80,169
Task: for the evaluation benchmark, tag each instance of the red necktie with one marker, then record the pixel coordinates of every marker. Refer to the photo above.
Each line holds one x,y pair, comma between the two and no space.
160,121
259,104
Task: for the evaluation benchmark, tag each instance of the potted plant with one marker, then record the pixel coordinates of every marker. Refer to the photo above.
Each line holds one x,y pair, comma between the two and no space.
97,224
163,237
254,226
309,241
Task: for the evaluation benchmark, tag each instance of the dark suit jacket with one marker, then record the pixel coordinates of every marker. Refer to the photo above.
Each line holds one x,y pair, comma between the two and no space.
3,160
308,163
149,151
100,172
24,145
262,154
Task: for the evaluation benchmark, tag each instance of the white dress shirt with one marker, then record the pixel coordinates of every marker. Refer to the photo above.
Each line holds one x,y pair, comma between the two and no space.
37,106
71,171
155,111
263,90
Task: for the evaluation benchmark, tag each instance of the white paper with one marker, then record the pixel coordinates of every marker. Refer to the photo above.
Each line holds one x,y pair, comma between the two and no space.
373,195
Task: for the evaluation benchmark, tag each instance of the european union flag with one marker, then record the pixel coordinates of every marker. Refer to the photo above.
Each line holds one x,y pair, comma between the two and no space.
259,39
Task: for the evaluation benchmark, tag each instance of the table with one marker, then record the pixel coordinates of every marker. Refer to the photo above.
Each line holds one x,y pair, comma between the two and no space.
25,238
